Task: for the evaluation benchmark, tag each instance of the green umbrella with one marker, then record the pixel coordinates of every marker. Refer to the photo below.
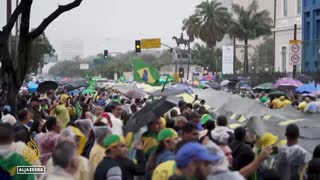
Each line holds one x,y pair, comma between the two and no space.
89,91
265,86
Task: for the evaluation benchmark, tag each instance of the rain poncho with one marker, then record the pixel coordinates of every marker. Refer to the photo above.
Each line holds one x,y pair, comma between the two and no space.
81,139
97,152
62,112
83,172
46,145
84,125
222,134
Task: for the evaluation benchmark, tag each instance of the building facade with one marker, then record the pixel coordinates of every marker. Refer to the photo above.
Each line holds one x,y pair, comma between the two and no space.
288,13
311,35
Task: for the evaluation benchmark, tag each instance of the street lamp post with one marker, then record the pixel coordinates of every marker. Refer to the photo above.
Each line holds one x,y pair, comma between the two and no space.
177,51
115,75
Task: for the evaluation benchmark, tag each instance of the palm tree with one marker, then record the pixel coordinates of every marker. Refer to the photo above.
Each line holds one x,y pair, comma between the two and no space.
249,24
209,23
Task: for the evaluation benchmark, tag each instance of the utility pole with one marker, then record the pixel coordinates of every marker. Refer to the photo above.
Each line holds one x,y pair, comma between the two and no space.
9,10
189,59
294,38
17,33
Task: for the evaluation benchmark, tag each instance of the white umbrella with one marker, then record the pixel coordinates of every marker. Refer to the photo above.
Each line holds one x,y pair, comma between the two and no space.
224,82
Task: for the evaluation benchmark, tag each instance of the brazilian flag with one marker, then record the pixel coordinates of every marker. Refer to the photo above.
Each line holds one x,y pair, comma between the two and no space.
145,73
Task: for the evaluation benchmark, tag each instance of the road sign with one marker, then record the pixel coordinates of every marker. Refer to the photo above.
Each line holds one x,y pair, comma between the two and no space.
295,52
84,66
150,43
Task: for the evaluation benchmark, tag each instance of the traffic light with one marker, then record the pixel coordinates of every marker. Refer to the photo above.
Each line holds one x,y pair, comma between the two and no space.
181,72
105,54
138,46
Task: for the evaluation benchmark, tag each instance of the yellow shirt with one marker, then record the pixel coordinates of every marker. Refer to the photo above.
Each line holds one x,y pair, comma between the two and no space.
164,170
284,103
302,106
97,153
275,103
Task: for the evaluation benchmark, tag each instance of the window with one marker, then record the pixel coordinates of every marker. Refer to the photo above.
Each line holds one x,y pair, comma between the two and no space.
299,7
285,7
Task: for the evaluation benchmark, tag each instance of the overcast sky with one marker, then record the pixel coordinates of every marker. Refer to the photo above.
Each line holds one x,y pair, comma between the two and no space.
111,24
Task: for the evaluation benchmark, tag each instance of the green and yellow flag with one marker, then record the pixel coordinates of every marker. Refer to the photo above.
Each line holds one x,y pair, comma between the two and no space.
145,73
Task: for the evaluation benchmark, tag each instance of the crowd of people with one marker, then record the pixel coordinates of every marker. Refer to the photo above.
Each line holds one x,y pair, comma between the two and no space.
82,138
302,103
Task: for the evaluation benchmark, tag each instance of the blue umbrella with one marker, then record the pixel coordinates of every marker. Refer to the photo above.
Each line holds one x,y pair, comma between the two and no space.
184,87
32,87
75,92
308,88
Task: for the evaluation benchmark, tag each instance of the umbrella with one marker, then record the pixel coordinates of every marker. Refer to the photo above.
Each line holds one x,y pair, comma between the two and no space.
32,87
208,78
245,86
167,92
315,93
89,91
47,86
134,94
148,113
224,82
265,86
308,95
75,84
276,94
75,92
184,87
308,88
287,83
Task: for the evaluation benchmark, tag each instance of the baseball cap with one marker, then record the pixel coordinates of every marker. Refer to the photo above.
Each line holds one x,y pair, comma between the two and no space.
205,118
268,139
194,151
112,140
167,133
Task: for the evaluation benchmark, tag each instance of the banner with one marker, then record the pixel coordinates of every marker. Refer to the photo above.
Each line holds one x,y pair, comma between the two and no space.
260,119
227,59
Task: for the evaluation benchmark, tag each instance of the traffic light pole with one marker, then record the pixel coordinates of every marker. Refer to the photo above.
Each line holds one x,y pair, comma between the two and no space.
177,51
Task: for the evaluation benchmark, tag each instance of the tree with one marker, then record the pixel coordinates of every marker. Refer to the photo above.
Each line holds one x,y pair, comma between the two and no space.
209,23
66,69
201,55
40,46
249,24
263,57
15,69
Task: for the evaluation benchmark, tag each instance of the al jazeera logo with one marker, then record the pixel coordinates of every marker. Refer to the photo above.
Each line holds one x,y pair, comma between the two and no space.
31,153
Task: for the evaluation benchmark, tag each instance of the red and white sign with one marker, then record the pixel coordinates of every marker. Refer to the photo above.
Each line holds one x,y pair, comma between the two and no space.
295,52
